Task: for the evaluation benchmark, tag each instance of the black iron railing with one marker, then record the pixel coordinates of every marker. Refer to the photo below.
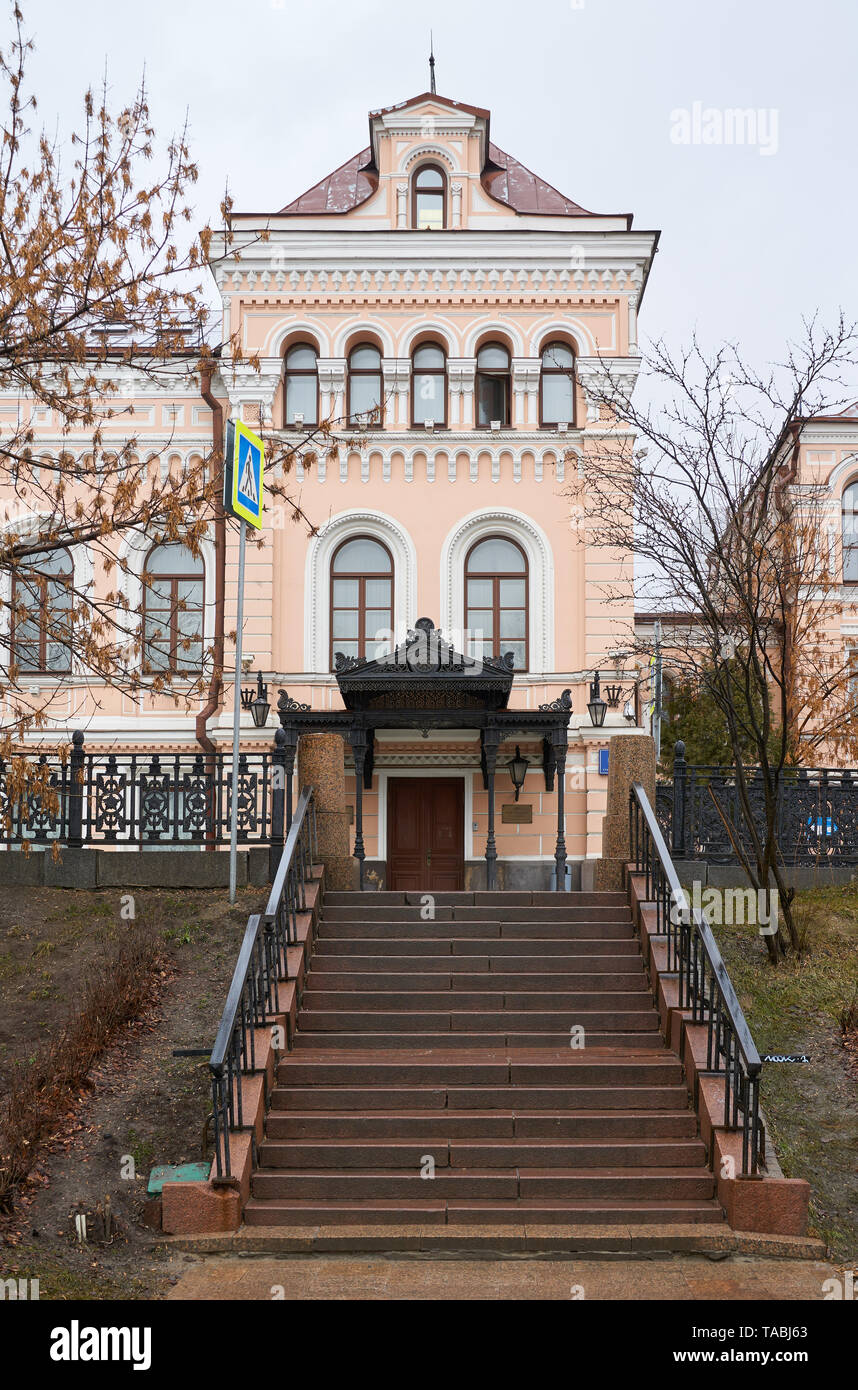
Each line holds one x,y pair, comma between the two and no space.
816,817
143,800
253,998
705,988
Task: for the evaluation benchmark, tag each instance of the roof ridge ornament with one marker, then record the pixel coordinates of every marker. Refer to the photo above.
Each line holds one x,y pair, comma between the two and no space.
431,63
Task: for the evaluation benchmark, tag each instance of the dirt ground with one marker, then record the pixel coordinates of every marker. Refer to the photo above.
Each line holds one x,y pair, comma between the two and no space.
144,1104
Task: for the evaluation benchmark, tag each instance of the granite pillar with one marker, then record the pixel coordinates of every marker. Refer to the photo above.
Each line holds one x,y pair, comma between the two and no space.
321,764
632,759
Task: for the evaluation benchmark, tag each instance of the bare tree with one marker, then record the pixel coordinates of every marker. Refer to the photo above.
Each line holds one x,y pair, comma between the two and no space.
702,488
101,298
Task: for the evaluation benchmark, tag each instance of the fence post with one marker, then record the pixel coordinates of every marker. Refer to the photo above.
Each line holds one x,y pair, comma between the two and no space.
677,820
76,775
278,803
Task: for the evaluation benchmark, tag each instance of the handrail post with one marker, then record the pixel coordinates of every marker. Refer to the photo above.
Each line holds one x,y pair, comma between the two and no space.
278,803
75,806
677,820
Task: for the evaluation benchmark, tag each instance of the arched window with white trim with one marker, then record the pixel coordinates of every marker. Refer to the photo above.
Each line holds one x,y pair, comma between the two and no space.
492,385
429,385
497,600
429,199
42,601
173,608
365,385
361,597
301,386
557,385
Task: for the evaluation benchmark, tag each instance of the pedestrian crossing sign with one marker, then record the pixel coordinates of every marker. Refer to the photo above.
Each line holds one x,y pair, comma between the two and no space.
244,464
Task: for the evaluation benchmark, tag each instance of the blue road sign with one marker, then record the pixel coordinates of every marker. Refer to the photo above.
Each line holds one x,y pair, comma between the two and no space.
244,465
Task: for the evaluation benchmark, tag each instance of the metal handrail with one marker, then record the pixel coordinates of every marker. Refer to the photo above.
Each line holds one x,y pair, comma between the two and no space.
253,996
705,987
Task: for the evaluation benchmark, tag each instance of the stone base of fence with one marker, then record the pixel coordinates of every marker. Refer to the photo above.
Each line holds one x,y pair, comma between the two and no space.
132,868
770,1204
798,876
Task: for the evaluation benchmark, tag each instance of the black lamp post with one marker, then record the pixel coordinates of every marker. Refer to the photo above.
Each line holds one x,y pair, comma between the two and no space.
517,770
258,703
596,705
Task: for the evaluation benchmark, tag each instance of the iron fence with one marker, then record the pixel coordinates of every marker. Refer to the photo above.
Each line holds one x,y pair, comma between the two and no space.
253,998
816,813
144,800
705,988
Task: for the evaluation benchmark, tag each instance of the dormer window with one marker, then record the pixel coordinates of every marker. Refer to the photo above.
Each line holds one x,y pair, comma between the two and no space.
429,199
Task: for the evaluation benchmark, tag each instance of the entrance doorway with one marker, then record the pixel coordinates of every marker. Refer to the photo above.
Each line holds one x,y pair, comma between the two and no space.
426,833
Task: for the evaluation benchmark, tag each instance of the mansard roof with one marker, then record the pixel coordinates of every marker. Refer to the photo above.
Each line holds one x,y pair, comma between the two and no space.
504,178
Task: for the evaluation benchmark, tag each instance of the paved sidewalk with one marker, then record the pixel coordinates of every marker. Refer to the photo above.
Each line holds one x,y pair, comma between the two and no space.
683,1278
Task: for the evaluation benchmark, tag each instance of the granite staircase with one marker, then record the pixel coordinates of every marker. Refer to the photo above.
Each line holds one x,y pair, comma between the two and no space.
437,1076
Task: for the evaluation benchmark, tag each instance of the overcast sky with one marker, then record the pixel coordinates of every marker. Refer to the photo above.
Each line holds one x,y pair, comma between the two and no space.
585,92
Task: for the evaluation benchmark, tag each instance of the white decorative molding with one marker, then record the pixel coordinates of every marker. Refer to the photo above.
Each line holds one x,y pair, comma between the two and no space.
544,330
402,205
485,327
522,528
298,327
613,377
427,153
352,331
317,578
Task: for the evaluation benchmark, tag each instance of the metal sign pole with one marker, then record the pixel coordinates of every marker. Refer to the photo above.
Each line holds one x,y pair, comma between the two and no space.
236,717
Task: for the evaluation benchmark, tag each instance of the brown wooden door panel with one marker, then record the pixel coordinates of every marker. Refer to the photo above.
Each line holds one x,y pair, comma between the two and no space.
425,837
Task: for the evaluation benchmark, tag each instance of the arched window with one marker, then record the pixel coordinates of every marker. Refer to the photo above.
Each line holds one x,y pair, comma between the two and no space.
302,385
361,597
42,601
429,199
557,385
173,601
492,385
365,384
429,385
849,531
496,599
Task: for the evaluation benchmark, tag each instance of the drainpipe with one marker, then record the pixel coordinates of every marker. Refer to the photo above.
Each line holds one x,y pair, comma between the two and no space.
216,684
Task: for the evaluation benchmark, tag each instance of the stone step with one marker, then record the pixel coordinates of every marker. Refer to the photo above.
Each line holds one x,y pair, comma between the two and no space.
481,1068
481,955
424,1126
498,1184
449,1155
625,955
531,1213
479,997
370,912
557,1100
616,1042
481,929
515,898
474,1020
479,993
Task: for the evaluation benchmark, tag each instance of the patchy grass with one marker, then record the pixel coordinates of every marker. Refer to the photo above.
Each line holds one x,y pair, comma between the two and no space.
801,1005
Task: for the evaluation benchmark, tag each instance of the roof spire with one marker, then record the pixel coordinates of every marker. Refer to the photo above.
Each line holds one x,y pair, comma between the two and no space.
431,62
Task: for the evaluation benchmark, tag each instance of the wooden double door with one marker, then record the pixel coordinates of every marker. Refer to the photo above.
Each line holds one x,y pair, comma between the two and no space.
426,833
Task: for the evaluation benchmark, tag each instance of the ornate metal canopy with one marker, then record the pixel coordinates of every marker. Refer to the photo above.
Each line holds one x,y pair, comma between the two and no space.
425,683
424,672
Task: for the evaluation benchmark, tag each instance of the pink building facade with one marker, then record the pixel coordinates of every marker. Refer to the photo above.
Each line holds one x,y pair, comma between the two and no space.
448,312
